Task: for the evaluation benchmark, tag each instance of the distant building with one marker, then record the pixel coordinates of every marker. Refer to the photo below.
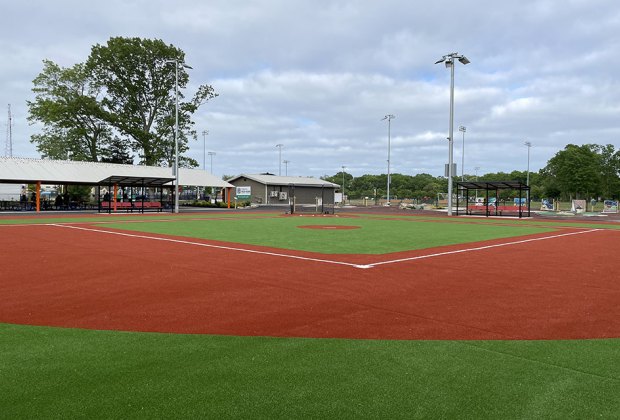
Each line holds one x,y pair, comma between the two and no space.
268,189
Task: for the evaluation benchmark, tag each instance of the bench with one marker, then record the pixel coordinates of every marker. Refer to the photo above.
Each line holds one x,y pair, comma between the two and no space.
131,207
148,205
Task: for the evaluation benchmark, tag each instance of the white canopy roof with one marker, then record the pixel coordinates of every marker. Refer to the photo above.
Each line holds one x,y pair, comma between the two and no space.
24,170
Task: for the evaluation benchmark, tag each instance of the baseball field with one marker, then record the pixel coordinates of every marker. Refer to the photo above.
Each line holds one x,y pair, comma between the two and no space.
250,314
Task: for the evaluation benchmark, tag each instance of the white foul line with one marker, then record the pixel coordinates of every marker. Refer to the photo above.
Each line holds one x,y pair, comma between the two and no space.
480,248
361,266
228,248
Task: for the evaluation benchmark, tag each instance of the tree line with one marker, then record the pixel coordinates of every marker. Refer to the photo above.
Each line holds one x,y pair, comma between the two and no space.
576,172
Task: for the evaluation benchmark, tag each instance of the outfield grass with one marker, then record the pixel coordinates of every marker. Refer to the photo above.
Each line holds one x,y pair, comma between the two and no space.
68,373
46,218
374,236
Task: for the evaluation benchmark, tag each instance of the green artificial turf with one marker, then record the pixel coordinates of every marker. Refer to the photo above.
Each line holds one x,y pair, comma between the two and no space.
47,218
374,236
69,373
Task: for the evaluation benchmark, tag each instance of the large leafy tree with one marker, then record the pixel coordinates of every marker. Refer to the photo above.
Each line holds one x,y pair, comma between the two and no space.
575,171
139,77
125,105
67,103
610,170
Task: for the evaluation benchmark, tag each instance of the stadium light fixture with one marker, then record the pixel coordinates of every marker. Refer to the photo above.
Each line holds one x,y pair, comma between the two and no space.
449,62
389,118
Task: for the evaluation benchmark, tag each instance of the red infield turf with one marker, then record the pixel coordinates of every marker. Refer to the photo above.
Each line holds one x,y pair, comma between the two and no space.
560,288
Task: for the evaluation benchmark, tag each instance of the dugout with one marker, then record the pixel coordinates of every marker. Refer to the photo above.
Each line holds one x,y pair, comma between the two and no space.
483,198
135,193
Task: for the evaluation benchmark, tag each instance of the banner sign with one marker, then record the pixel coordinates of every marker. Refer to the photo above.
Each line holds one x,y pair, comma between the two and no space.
578,206
610,206
546,204
520,202
243,192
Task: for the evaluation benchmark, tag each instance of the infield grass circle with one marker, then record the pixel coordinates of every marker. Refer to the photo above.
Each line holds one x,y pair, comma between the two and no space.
371,237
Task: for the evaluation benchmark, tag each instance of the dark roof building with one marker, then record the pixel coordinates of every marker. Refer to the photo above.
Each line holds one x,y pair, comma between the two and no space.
268,189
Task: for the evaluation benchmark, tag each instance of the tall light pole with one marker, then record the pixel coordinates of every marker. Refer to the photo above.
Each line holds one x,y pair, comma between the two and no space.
286,162
211,154
204,149
280,146
449,62
529,146
176,131
477,168
343,168
463,129
389,118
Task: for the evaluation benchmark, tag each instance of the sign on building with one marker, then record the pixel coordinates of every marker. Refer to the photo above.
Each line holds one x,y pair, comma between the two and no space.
243,192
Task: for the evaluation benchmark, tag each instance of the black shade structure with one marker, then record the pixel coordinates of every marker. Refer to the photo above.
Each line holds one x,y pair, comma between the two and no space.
136,181
142,183
491,189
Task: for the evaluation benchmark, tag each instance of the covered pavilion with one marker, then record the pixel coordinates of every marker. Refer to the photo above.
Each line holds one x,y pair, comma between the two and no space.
96,174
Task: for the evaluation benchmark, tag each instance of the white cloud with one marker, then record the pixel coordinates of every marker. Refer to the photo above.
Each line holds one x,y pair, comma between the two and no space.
318,77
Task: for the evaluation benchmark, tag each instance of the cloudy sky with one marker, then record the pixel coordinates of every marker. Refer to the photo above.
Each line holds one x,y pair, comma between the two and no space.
318,77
